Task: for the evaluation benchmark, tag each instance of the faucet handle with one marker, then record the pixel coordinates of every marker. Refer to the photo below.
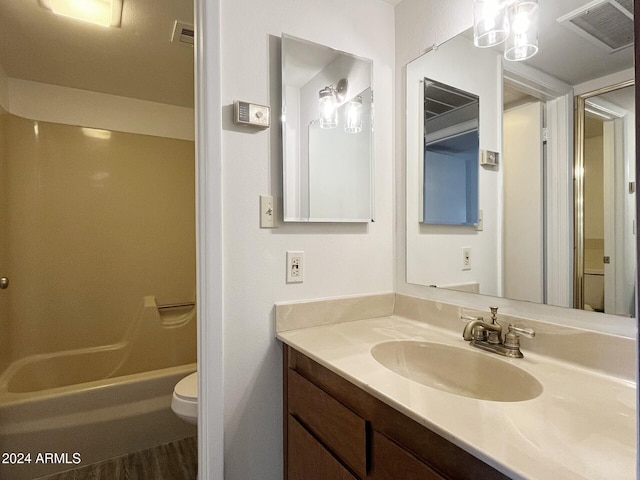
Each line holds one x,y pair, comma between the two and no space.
527,332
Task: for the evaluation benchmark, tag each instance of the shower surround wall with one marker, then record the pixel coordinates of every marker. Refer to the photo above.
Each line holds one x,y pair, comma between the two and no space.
95,221
5,353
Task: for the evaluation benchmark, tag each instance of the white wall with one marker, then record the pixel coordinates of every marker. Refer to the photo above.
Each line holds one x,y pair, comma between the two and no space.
340,259
435,251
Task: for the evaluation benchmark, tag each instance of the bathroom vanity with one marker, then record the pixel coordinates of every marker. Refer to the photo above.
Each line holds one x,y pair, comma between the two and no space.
358,406
333,428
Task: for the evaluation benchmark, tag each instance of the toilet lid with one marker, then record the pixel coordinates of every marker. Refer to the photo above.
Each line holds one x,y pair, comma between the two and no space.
187,388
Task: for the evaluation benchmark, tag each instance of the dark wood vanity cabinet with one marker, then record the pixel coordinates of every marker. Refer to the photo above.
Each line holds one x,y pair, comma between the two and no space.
335,430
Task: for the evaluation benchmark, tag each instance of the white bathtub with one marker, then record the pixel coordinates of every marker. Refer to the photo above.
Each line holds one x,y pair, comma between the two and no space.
97,420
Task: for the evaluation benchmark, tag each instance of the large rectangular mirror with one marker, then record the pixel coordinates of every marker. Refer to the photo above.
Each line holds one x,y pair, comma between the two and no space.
538,238
327,115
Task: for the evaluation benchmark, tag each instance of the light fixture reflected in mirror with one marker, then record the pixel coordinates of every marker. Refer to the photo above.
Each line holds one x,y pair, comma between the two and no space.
329,99
328,104
490,22
523,40
353,116
512,21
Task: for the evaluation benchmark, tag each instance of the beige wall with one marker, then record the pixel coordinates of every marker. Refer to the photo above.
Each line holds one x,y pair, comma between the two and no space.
594,203
94,224
5,352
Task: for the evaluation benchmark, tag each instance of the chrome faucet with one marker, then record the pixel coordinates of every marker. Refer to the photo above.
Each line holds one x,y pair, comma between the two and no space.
488,335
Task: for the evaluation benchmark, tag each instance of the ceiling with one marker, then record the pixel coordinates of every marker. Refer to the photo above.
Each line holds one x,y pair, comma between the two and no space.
565,55
136,60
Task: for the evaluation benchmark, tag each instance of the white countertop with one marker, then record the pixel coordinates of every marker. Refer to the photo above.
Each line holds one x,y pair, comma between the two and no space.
582,426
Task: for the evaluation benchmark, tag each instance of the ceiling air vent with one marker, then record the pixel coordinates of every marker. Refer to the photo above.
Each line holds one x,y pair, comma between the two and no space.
182,32
607,23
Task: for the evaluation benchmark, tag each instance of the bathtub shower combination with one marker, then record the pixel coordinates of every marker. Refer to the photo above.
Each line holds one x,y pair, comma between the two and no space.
98,323
98,402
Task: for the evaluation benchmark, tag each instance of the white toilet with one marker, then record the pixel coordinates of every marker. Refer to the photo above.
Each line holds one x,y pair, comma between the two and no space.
185,399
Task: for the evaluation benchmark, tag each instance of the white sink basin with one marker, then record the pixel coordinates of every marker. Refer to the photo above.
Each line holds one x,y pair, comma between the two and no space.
459,371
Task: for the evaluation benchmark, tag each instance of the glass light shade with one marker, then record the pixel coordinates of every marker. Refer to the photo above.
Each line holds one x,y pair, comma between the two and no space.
328,108
490,22
106,13
523,41
353,116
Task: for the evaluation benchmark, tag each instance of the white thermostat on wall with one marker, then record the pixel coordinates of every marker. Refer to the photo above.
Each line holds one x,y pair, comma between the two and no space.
245,113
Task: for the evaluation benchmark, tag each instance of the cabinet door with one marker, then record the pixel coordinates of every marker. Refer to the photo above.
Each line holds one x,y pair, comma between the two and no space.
392,462
308,459
343,432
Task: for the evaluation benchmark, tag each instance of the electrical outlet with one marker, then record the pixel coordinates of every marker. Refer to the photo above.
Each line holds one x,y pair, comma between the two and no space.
466,258
295,267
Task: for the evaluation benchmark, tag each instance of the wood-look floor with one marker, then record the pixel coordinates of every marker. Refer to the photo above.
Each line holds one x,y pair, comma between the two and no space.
172,461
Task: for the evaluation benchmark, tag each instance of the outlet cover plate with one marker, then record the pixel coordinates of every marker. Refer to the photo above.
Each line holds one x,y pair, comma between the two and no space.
295,267
466,258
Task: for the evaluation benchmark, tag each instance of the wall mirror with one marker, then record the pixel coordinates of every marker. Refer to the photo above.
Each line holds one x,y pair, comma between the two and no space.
522,246
450,179
327,127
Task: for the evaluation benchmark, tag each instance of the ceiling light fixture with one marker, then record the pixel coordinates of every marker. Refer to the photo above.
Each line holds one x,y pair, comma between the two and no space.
105,13
490,22
512,21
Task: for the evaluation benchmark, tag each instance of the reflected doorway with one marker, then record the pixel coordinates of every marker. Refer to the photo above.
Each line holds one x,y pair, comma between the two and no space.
605,201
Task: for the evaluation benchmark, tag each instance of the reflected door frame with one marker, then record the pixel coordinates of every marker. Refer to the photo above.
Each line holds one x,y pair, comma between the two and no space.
578,188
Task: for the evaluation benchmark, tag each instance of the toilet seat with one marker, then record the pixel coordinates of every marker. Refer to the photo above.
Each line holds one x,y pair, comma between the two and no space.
185,398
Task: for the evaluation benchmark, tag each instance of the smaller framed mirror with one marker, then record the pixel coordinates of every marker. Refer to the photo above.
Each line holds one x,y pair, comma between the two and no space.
451,149
327,128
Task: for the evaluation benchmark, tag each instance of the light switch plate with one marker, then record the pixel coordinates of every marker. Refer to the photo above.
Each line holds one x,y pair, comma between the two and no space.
267,212
480,225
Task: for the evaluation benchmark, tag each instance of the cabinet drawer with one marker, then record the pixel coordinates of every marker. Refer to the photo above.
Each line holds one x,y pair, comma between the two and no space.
390,461
343,432
308,459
